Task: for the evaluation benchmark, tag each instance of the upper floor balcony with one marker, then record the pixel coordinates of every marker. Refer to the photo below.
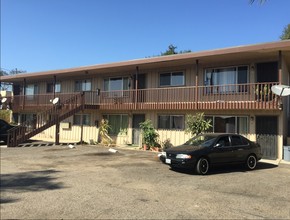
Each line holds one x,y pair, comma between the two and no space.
250,96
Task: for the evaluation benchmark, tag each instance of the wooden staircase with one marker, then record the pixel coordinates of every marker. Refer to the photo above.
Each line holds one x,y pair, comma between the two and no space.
45,119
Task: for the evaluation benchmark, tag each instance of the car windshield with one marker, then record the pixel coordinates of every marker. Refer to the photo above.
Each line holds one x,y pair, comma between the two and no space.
201,140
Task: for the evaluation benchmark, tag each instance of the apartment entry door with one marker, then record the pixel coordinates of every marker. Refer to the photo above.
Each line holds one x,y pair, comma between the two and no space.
267,133
137,118
267,72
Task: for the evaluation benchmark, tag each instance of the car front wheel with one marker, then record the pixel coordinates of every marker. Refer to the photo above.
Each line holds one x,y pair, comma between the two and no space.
251,162
202,166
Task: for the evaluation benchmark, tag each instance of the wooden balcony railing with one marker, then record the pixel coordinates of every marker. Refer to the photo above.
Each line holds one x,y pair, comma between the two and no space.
253,96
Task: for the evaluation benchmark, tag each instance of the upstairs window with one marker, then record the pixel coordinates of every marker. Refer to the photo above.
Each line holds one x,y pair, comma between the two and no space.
224,80
31,89
171,79
115,87
83,85
116,84
50,86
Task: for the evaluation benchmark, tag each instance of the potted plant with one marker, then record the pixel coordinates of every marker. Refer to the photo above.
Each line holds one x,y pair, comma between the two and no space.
150,135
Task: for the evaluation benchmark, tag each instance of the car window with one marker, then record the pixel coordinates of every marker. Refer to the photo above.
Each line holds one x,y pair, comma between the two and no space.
237,141
224,141
201,140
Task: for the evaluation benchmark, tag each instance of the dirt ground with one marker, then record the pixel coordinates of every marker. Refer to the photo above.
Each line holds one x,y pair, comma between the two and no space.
89,182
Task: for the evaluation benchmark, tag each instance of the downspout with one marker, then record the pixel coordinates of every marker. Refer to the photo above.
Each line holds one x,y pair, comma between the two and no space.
57,124
280,67
136,86
281,116
24,93
196,84
54,83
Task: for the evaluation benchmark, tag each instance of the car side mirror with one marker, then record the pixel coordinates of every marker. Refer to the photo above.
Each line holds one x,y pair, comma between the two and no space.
218,145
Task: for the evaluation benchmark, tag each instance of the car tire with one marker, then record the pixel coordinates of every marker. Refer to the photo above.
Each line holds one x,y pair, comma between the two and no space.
202,166
251,162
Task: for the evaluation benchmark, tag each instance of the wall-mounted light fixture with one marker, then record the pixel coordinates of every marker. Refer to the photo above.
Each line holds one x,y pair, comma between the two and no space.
280,106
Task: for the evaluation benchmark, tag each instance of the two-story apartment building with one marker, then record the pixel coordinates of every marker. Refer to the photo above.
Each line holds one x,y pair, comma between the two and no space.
232,86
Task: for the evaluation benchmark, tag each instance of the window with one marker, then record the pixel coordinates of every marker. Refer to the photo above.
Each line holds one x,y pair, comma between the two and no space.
225,80
237,141
30,91
228,124
171,122
224,141
49,87
85,117
118,123
115,84
83,85
171,79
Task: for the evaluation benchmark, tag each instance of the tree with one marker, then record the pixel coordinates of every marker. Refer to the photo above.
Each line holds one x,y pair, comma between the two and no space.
196,124
172,50
7,86
11,72
149,134
3,73
16,71
261,1
286,33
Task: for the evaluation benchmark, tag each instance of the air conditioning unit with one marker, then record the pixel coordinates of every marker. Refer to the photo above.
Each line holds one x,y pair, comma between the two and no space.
65,125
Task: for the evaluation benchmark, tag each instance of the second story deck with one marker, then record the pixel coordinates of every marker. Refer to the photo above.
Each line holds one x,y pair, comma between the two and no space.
252,96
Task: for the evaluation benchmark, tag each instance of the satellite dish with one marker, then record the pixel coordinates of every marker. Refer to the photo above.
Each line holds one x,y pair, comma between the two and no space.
4,100
55,100
281,90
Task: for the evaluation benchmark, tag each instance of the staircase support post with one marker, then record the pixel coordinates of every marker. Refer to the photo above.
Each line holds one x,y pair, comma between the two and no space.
57,131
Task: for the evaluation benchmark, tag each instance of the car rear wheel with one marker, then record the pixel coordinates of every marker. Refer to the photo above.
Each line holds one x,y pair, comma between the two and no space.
202,166
251,162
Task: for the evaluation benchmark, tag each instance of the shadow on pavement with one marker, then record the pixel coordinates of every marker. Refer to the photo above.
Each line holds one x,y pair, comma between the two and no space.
229,169
27,181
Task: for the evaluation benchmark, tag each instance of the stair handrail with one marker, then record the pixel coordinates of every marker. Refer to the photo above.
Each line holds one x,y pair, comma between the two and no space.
57,111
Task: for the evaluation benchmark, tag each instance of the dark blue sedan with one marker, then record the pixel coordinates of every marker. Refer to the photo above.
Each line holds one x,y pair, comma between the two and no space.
206,150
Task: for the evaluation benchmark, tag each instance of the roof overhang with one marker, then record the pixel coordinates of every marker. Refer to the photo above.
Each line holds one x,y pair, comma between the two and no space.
247,52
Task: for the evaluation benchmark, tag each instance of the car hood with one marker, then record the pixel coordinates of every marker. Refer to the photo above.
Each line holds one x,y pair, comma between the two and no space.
183,149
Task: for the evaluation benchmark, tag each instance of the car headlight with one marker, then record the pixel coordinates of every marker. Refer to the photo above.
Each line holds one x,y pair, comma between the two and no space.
183,156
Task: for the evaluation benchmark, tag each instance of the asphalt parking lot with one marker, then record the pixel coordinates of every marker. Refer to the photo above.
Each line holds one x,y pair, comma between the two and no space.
89,182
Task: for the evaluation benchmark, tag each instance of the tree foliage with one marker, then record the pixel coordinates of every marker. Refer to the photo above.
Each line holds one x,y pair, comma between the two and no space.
286,33
150,135
196,124
11,72
171,50
260,1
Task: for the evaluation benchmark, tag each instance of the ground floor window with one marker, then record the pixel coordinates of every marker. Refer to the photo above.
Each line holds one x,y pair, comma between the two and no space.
118,123
229,124
171,122
79,119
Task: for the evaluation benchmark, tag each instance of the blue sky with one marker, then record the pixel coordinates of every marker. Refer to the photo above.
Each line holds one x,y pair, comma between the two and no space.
39,35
